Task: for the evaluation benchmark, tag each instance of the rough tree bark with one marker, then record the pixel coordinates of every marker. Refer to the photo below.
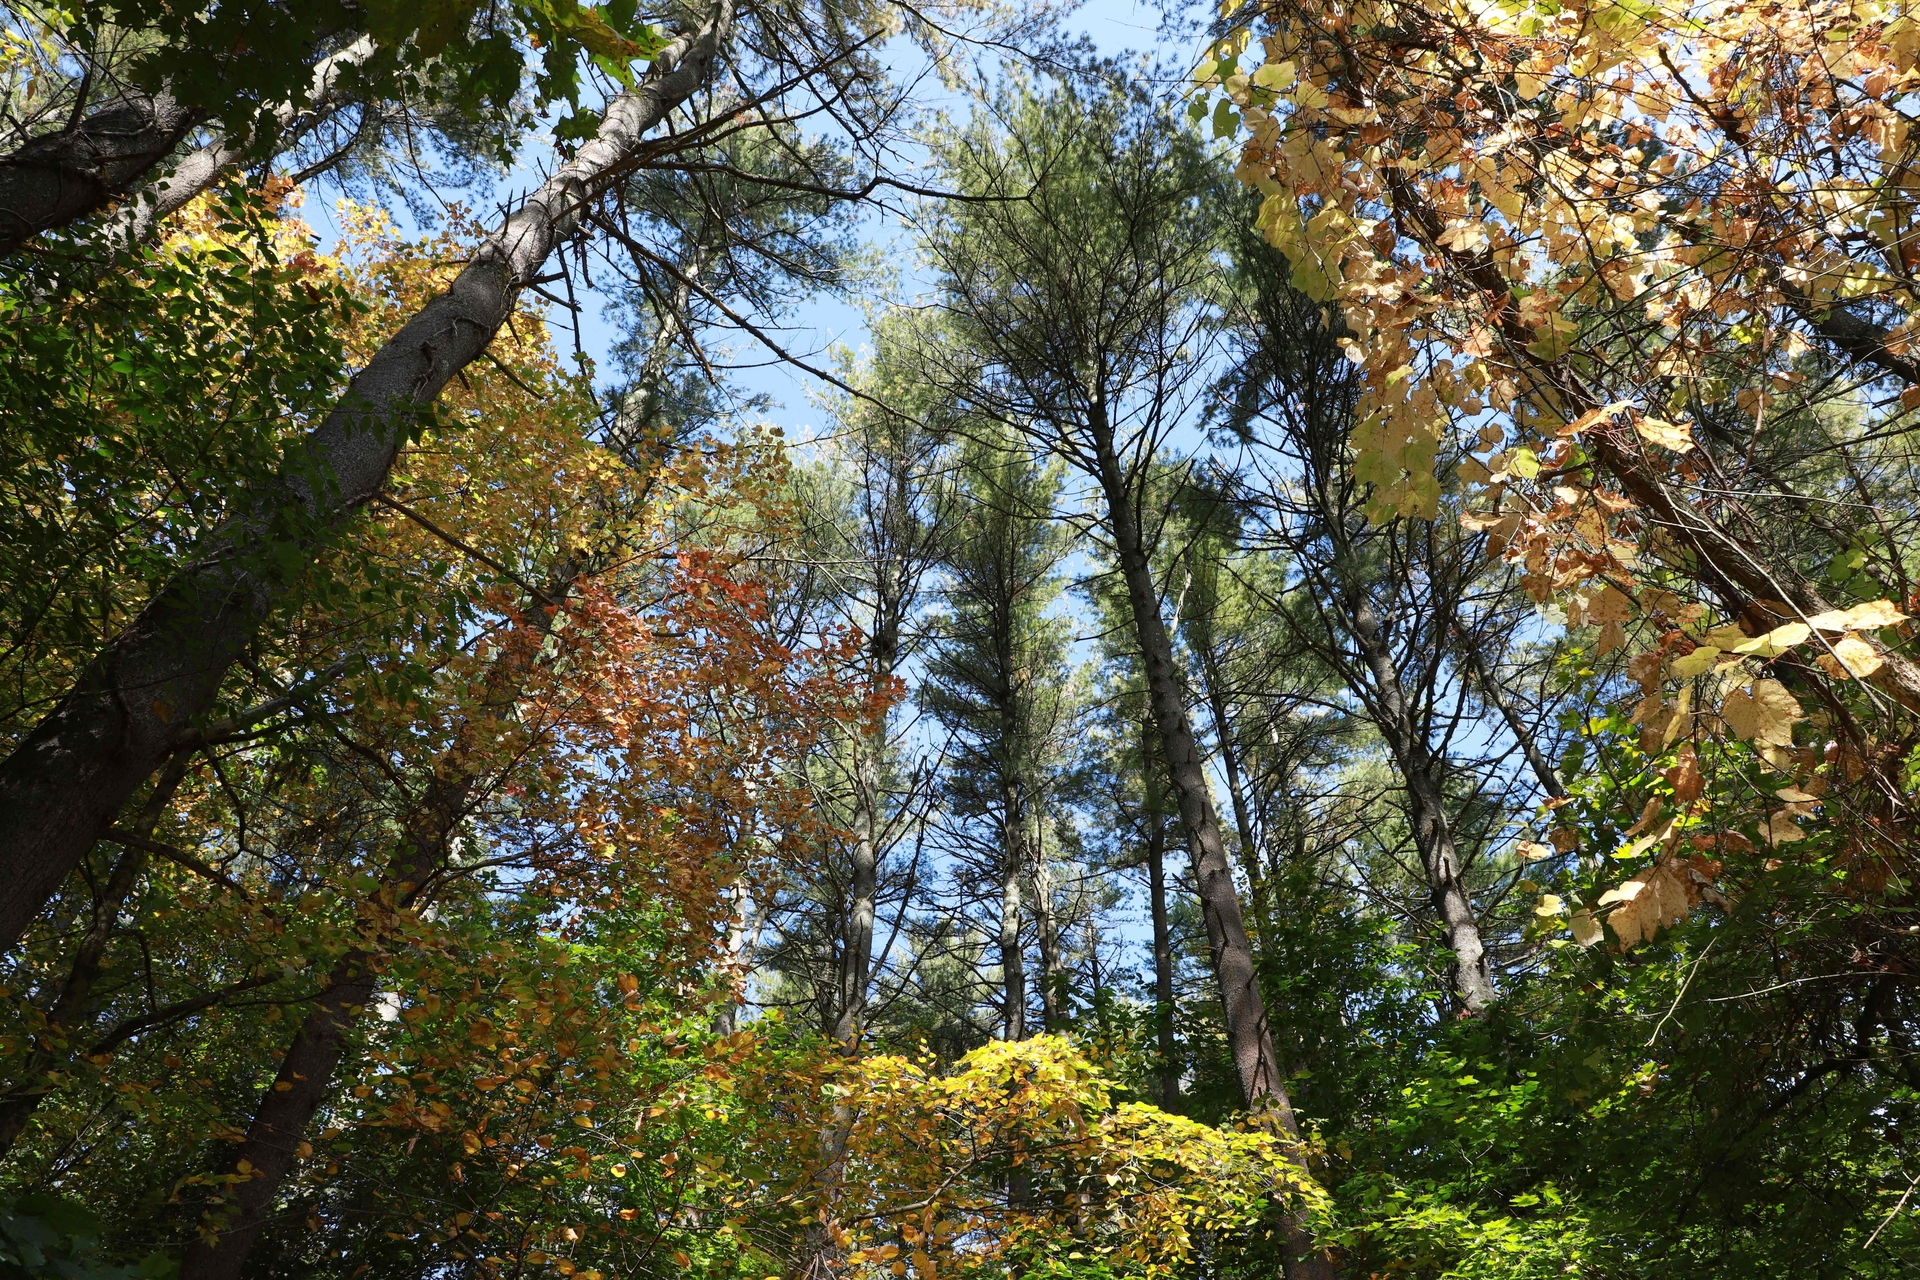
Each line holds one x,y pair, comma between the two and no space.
883,655
1262,1084
62,786
61,177
1473,990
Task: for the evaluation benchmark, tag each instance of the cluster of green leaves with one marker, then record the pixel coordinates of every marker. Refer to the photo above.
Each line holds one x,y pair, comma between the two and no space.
143,393
237,63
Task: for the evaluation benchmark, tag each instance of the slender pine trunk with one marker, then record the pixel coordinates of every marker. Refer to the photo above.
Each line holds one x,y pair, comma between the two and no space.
1472,976
1262,1083
1013,970
1163,1007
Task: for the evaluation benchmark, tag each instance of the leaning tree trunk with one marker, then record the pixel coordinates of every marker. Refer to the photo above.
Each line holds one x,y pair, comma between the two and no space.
1472,976
53,1042
1262,1084
258,1170
62,786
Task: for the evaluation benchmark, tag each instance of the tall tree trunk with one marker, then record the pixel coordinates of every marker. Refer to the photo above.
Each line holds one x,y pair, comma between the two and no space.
1472,976
1013,866
863,892
819,1252
64,783
743,939
272,1146
1236,786
53,1042
1046,920
1163,1008
1261,1083
258,1170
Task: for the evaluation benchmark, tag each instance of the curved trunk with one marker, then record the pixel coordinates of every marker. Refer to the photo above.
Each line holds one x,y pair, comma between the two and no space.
62,786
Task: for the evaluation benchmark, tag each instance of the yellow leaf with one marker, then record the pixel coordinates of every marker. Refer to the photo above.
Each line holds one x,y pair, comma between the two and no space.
1856,656
1550,905
1611,605
1668,435
1726,637
1592,416
1781,829
1274,75
1586,931
1776,711
1743,719
1699,662
1775,642
1862,617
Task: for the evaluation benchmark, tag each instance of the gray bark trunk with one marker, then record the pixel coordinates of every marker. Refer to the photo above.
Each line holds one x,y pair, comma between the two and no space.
62,786
1261,1083
60,177
1163,1009
1013,866
863,891
1473,990
1053,1017
198,170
